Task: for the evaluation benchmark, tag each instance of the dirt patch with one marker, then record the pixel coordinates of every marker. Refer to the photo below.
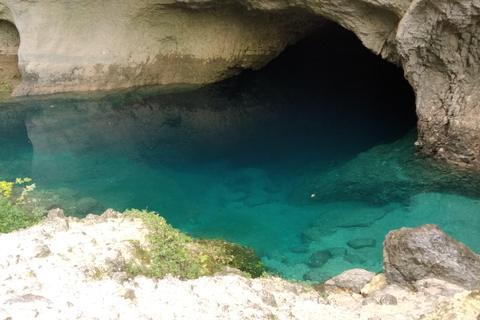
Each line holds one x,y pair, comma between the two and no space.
10,77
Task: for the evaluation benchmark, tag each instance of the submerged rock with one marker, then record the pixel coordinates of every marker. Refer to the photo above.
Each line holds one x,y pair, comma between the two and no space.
319,258
354,258
316,276
383,175
412,254
358,243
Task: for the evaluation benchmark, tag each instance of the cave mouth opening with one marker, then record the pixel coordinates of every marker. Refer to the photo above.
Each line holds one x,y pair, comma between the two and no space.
341,98
10,76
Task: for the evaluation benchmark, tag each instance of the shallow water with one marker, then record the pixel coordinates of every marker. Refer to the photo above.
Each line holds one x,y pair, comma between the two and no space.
299,157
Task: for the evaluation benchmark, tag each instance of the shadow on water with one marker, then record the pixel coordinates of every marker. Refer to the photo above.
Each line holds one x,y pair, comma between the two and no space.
275,159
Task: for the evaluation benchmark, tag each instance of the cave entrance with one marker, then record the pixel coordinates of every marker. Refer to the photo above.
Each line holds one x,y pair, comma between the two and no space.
10,76
341,99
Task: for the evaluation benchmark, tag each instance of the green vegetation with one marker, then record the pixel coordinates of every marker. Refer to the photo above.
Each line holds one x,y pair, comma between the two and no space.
172,252
13,215
167,252
6,86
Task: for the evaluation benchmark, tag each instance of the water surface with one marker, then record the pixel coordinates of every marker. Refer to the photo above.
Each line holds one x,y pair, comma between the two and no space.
312,152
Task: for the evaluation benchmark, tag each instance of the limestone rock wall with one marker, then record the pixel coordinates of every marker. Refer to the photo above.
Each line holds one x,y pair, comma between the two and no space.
92,45
100,45
437,44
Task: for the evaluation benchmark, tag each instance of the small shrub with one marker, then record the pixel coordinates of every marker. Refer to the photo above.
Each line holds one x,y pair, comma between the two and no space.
172,252
6,86
13,215
168,248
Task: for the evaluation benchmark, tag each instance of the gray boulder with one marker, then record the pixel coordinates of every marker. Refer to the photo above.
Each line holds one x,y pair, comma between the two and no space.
353,279
411,254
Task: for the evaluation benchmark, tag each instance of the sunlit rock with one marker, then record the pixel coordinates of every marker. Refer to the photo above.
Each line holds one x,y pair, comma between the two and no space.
412,254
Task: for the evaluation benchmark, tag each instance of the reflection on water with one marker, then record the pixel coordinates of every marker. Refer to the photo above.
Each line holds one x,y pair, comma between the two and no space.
271,159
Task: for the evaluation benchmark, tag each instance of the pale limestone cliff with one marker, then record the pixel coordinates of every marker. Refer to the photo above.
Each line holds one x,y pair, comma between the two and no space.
66,268
91,45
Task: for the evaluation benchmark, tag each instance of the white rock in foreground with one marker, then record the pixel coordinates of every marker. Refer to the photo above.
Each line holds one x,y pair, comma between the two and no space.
49,271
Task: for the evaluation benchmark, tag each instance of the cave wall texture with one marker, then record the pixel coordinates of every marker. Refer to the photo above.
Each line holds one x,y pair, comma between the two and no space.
81,45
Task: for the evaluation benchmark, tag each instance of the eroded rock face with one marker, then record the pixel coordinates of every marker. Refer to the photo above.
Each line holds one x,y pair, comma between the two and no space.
106,45
412,254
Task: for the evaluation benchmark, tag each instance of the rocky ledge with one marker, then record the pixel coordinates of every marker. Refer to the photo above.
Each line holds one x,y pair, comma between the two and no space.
66,268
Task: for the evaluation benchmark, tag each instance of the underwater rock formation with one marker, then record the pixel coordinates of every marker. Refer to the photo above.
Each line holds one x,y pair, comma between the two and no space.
385,174
106,45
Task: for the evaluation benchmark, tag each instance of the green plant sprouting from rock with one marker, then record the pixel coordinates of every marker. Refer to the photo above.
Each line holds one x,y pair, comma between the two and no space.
172,252
6,86
13,215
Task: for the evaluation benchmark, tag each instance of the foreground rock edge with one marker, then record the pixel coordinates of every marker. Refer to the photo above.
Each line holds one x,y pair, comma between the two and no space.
65,268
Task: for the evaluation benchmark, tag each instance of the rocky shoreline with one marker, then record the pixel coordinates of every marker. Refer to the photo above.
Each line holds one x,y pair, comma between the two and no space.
66,268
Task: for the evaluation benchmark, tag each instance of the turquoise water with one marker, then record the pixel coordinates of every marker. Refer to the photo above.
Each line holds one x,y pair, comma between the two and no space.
315,152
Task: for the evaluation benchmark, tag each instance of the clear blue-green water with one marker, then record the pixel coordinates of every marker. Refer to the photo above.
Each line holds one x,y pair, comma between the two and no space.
307,154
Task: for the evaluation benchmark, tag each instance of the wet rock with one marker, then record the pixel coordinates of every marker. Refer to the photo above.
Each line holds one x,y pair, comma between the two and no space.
86,205
303,248
358,243
272,188
411,254
314,234
315,276
390,173
256,200
276,255
337,252
319,258
354,280
354,258
349,215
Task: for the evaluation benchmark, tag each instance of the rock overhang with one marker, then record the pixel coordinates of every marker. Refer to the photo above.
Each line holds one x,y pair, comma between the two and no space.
102,46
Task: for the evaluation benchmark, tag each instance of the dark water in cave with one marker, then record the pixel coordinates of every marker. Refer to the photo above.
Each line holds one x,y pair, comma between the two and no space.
307,154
